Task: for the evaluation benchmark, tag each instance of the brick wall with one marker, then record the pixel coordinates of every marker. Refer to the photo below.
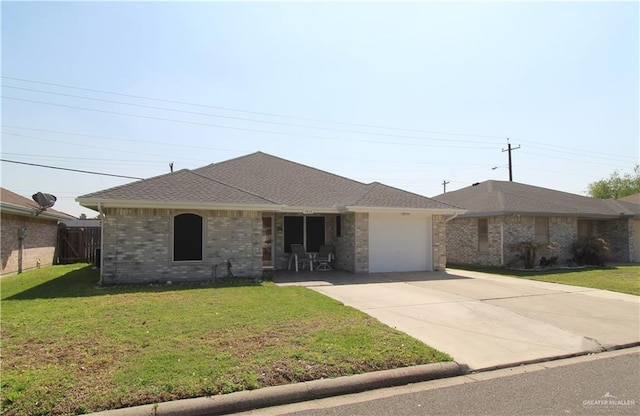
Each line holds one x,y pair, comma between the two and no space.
362,242
345,245
439,240
619,235
462,238
462,242
137,246
39,243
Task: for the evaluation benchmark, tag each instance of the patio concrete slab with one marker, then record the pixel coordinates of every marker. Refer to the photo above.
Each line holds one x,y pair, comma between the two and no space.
487,321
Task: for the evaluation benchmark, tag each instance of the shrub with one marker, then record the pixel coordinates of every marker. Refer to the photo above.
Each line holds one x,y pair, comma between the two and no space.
527,252
592,251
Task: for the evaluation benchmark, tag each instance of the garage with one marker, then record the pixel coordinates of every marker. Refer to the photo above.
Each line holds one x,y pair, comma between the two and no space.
400,242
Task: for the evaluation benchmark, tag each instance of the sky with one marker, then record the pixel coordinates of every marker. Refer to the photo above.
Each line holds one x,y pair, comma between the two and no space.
409,94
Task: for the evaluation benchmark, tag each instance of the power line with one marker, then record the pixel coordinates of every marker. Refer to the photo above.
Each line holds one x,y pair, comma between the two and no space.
251,112
277,133
68,169
240,118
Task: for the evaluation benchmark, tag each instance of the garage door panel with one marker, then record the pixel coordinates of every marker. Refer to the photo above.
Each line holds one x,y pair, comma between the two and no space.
399,243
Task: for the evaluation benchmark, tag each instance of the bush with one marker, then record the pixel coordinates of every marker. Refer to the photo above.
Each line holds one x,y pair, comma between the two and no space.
527,252
592,251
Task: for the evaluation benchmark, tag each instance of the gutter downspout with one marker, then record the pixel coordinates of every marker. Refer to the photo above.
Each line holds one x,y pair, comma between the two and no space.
453,217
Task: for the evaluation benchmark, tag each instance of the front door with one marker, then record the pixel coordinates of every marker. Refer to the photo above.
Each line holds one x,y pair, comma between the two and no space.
267,242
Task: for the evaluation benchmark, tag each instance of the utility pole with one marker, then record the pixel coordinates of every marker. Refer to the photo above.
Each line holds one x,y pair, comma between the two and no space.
444,183
509,149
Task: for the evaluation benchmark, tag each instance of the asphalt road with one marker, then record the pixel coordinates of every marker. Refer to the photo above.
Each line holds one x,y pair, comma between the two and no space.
606,383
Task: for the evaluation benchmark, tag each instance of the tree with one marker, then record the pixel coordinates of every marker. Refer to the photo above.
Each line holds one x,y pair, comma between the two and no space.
617,185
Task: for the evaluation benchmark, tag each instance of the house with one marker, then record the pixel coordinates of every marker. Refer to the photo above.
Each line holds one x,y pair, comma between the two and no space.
635,199
28,236
501,214
246,212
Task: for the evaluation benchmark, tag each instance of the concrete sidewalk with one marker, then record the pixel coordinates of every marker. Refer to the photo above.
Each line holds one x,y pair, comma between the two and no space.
486,321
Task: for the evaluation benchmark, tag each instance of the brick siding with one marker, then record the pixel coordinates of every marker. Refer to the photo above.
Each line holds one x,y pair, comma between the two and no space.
39,243
137,246
504,231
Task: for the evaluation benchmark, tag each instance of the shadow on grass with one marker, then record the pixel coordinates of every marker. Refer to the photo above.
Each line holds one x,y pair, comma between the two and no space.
85,282
526,273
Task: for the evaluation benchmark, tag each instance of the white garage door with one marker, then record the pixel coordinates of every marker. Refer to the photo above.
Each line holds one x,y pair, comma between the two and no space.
399,243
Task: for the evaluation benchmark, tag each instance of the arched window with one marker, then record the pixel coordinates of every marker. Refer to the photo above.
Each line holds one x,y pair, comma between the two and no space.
187,237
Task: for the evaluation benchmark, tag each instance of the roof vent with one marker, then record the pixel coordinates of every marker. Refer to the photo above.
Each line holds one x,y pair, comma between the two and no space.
475,184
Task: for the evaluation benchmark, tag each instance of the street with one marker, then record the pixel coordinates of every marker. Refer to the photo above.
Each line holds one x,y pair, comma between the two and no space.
605,383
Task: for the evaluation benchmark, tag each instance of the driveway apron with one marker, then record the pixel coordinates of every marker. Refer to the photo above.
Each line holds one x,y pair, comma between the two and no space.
485,321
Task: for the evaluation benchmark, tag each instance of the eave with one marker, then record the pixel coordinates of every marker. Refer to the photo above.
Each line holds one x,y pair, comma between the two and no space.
433,211
145,204
31,211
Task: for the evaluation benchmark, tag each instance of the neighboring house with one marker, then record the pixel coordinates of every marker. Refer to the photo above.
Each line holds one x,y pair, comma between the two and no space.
28,240
635,199
188,224
501,214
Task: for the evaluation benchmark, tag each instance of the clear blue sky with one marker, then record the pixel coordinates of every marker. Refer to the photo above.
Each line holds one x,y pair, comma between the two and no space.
406,94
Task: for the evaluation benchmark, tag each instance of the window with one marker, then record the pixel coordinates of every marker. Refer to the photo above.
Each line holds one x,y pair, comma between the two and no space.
308,231
187,237
585,228
338,225
483,235
542,230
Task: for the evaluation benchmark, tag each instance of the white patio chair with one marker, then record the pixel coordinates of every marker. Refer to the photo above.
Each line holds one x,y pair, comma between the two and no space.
324,257
300,257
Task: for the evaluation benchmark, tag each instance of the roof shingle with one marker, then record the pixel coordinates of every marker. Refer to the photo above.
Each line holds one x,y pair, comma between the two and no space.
501,197
263,179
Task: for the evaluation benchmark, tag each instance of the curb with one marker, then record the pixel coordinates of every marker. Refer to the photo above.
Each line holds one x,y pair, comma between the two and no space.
292,393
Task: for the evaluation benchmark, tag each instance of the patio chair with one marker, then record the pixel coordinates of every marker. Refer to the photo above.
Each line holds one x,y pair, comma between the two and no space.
300,257
324,257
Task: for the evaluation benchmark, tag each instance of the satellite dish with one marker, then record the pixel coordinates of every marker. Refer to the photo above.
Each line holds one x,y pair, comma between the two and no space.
44,201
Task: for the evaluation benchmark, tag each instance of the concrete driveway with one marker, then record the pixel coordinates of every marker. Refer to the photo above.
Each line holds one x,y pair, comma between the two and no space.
484,320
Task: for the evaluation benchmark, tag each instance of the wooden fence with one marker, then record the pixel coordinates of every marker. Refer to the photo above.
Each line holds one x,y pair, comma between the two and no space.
78,245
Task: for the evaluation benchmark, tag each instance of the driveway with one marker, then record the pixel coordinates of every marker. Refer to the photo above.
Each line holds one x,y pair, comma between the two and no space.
485,320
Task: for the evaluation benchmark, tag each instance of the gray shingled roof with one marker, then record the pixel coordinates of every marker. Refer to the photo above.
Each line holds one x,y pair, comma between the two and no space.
501,198
11,201
635,198
259,179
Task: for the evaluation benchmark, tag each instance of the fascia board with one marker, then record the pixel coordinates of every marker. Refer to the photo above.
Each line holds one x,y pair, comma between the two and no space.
310,210
541,214
112,203
16,209
433,211
21,210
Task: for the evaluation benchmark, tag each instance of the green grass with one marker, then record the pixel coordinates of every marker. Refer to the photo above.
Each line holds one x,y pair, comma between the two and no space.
624,279
70,346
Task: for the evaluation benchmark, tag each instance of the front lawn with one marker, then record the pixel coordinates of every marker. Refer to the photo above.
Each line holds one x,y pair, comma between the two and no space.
624,279
70,346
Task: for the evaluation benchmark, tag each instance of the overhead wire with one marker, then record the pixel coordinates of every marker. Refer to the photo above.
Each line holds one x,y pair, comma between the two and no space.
242,118
249,111
277,133
597,155
68,169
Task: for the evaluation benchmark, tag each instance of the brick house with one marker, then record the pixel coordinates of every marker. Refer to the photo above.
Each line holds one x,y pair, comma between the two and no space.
187,225
504,213
635,199
37,233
